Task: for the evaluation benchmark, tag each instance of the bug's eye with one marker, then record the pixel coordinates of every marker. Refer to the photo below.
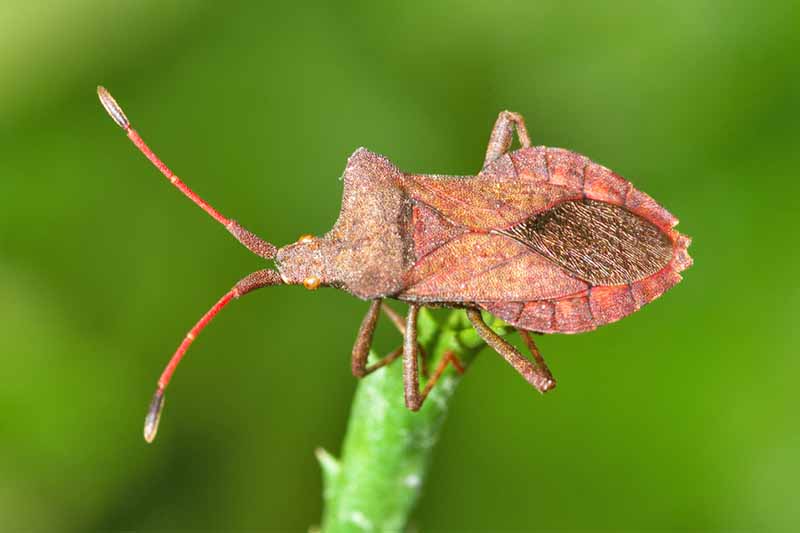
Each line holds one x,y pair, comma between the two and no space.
305,238
311,283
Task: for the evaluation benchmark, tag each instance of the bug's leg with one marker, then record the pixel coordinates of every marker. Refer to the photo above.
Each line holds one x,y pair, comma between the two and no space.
503,134
537,356
396,319
447,358
256,280
251,241
410,371
399,323
414,398
538,377
364,341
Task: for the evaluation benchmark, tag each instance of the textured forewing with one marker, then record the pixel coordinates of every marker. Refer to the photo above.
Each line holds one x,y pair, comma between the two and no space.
484,203
486,268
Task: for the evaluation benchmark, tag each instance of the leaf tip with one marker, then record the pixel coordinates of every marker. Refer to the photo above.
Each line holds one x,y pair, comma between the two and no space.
330,465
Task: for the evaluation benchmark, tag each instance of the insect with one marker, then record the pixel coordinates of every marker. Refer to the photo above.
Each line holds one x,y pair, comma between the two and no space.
541,237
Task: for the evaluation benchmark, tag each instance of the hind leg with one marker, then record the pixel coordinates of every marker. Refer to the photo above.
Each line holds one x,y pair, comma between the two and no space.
503,134
539,377
526,337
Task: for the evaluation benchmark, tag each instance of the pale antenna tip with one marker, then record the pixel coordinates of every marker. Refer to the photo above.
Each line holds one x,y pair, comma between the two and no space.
112,107
153,415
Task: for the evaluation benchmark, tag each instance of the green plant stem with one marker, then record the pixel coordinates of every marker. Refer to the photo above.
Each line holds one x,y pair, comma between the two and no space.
387,448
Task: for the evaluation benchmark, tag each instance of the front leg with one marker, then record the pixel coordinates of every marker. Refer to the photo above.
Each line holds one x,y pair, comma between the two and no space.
364,341
503,134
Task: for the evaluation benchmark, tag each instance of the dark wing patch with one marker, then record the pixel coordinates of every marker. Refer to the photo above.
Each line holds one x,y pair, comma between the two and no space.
602,243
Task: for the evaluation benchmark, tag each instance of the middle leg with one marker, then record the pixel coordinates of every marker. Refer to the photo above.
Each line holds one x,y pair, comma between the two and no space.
414,398
399,323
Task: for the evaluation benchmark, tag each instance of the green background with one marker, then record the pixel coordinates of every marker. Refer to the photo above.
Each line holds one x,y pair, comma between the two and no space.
680,416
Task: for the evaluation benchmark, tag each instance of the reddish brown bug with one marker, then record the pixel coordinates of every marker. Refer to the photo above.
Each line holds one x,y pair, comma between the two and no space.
542,237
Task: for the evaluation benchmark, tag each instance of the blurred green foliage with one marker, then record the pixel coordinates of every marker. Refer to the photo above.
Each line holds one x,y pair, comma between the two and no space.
680,416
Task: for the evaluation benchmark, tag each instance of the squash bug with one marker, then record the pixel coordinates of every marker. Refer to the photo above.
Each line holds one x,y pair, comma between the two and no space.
542,238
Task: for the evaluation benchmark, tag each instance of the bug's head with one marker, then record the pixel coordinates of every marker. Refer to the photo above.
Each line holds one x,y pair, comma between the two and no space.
305,262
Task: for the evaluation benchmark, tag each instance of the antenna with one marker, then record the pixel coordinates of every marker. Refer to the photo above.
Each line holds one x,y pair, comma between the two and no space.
256,280
251,241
